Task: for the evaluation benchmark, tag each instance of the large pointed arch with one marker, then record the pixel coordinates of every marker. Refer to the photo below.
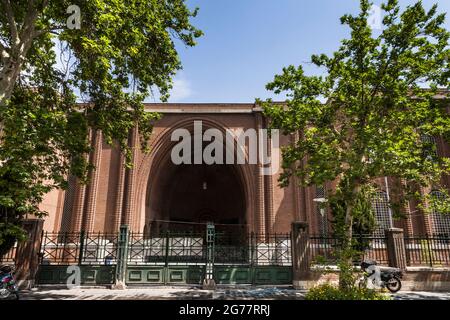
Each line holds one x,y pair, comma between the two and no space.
154,162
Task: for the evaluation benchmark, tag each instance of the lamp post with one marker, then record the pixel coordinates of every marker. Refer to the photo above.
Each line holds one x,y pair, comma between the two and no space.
388,198
320,202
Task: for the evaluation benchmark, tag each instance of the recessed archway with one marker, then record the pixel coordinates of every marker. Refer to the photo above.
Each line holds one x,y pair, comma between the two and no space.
184,197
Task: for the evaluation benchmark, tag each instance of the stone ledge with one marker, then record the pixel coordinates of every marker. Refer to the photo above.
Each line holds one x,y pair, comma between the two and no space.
414,279
428,269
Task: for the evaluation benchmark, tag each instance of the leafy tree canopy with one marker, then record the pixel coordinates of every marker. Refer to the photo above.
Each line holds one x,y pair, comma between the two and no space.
368,115
123,50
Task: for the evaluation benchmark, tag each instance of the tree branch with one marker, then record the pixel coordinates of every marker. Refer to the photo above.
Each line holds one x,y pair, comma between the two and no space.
4,50
52,30
29,21
4,54
12,22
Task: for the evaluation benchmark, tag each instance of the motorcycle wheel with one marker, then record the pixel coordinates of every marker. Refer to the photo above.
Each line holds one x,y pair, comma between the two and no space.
5,294
394,285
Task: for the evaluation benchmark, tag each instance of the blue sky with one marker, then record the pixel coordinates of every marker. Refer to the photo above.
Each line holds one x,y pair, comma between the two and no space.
247,42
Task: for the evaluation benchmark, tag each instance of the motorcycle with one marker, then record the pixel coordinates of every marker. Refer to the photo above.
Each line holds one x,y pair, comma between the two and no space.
8,287
384,277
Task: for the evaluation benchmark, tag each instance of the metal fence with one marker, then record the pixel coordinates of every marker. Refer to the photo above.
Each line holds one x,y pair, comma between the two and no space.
10,256
323,250
275,251
229,249
191,249
167,249
78,248
420,250
254,250
428,251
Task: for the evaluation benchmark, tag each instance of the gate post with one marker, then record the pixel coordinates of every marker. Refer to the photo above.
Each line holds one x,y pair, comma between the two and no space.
396,251
300,255
122,258
253,256
81,253
208,282
27,254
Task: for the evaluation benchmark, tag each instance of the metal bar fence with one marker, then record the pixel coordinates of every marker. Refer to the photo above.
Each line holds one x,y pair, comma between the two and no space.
253,250
78,248
233,248
275,251
167,249
323,250
10,256
430,251
230,249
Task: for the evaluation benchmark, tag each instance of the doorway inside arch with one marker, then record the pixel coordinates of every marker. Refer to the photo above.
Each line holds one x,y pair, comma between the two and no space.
184,198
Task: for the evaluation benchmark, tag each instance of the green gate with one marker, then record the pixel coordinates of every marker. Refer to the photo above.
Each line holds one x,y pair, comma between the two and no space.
166,258
253,259
93,254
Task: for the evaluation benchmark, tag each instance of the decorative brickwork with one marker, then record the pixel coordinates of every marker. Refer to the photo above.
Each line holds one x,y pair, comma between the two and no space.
131,196
92,189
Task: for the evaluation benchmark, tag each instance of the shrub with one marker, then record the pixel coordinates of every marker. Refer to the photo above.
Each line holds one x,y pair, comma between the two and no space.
330,292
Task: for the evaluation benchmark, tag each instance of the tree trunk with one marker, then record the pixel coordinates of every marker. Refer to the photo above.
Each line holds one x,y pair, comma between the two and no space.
346,279
8,77
12,66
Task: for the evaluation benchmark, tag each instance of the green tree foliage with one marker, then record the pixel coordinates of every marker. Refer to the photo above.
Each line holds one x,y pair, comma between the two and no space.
375,113
122,52
329,292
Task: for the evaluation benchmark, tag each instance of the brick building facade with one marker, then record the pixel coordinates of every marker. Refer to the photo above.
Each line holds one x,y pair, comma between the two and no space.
155,191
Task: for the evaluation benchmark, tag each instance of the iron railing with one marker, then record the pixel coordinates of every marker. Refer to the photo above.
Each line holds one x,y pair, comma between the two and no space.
229,249
274,251
232,247
253,250
323,250
167,249
427,250
10,256
78,248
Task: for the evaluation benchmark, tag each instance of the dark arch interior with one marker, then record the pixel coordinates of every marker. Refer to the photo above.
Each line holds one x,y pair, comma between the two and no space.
189,195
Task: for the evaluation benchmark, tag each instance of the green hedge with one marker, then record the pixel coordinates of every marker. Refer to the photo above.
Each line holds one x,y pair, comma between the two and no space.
330,292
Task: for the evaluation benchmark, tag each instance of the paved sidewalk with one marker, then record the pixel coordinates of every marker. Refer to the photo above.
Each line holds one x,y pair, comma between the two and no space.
163,293
194,293
421,295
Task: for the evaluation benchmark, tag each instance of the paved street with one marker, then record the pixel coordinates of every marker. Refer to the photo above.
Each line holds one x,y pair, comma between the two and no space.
168,293
162,293
420,295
